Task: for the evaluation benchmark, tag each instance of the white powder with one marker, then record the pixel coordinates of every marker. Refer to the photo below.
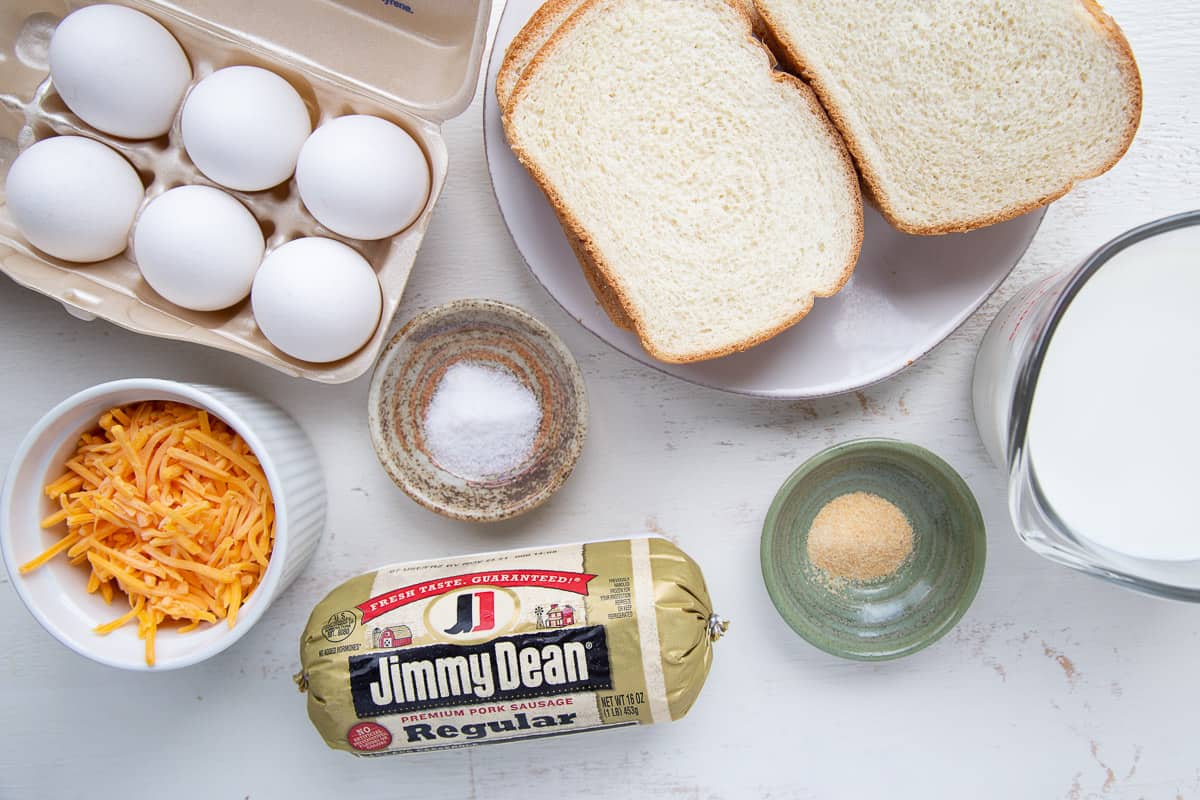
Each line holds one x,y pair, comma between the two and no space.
481,421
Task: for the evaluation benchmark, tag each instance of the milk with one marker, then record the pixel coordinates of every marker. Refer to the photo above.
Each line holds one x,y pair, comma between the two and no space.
1114,431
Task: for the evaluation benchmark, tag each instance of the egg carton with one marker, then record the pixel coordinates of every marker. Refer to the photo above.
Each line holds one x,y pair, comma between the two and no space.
414,63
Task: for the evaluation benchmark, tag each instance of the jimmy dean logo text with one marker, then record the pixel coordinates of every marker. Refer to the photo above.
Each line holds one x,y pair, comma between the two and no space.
444,675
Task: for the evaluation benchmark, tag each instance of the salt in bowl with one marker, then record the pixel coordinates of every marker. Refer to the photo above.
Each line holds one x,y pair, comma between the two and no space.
500,337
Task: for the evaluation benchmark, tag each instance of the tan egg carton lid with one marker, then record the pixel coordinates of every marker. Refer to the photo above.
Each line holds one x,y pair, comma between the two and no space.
415,63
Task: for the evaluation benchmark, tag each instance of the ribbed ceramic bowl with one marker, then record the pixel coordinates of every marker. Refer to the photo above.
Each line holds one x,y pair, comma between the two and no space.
496,335
56,593
896,615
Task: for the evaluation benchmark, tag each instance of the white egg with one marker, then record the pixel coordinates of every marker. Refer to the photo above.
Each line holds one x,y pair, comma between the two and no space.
119,70
316,299
73,198
363,177
243,127
198,247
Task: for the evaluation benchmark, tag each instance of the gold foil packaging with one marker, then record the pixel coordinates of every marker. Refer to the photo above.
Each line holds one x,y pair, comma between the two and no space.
510,645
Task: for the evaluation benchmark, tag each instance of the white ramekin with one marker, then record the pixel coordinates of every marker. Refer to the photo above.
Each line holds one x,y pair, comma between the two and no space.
56,593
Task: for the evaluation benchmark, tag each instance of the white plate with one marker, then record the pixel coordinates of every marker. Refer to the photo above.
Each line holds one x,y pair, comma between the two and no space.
907,293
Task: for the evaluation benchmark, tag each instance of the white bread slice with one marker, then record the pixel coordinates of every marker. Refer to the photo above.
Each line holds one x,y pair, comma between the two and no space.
521,50
710,192
964,113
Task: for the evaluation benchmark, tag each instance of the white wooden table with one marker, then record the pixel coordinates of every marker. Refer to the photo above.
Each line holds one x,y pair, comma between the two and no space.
1054,685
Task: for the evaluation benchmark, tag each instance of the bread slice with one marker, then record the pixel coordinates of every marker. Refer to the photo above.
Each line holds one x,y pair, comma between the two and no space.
964,113
709,191
521,50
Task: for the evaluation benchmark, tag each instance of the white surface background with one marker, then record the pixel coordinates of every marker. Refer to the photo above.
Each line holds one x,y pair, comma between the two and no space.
1054,685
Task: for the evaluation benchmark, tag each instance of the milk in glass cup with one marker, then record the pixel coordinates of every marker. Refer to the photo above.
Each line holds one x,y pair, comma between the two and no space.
1085,392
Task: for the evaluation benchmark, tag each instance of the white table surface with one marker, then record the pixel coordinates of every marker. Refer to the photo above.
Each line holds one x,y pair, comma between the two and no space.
1054,685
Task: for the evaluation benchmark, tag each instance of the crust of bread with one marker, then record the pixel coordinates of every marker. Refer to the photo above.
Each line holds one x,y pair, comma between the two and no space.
529,39
606,296
582,241
792,59
525,44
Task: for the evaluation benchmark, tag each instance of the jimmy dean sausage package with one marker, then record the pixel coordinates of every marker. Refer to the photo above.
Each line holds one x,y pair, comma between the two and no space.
511,645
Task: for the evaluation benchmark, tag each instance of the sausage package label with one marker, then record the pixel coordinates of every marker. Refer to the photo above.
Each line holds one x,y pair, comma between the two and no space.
510,645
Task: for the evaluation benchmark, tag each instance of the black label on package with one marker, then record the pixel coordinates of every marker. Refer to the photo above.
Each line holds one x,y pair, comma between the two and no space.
538,664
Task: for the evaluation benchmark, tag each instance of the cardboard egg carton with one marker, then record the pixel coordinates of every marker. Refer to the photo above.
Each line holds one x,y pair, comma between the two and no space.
414,63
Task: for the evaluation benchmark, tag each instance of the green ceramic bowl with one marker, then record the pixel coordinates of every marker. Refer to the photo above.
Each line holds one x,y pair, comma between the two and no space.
896,615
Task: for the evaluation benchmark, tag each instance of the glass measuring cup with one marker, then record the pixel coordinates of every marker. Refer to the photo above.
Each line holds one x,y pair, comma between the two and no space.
1007,370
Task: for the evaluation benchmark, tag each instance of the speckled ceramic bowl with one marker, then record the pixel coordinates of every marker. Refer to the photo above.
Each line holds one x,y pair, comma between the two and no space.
901,613
500,336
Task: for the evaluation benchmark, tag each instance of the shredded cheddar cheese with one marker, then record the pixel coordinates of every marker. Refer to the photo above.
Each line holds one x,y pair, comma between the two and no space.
170,507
